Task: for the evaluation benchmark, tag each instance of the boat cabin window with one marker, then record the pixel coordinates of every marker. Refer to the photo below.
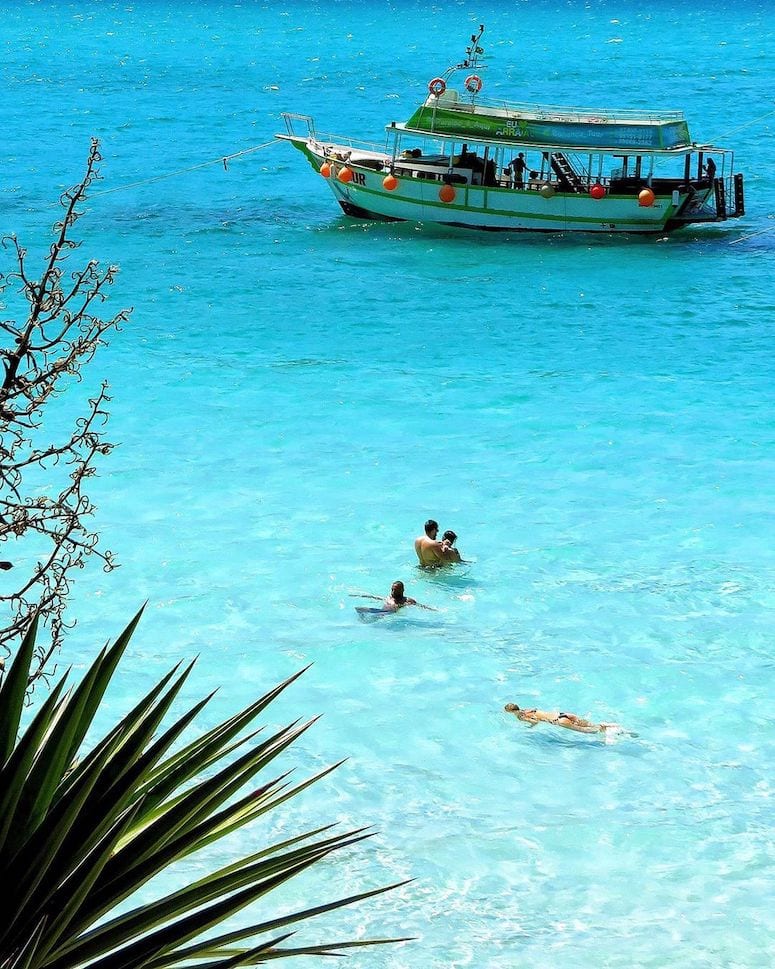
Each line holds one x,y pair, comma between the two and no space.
621,171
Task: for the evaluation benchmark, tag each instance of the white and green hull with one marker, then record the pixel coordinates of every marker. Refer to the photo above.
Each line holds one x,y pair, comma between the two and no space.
482,207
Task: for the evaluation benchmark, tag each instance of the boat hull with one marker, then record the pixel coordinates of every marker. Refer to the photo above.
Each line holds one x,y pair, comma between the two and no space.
418,199
498,209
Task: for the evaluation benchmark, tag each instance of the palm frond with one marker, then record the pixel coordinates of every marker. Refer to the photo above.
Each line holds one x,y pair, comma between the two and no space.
80,837
12,691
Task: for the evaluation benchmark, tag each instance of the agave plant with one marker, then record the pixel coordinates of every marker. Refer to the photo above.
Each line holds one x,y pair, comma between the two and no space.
78,837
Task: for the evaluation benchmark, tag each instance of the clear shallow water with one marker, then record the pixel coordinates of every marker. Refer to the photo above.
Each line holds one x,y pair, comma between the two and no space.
296,393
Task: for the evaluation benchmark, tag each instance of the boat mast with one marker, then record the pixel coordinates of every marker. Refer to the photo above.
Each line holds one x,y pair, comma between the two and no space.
474,51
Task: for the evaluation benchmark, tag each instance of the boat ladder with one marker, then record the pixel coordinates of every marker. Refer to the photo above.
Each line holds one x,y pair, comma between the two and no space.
565,172
721,199
720,195
739,195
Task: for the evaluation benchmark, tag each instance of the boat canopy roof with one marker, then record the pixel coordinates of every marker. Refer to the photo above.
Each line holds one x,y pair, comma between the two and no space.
546,126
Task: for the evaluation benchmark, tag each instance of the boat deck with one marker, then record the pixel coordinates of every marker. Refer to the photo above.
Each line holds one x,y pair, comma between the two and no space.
550,112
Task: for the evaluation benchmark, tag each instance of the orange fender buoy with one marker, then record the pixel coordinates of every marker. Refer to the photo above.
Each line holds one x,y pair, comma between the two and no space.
447,193
646,198
325,170
597,191
345,174
390,183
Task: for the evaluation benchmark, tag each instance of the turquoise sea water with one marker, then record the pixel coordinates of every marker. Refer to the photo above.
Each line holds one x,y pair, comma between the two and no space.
296,393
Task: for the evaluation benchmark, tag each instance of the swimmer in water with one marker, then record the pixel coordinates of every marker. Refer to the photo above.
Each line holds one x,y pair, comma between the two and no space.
568,720
396,600
448,540
431,552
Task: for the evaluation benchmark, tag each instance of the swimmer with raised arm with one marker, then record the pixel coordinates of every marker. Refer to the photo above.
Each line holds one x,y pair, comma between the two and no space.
568,720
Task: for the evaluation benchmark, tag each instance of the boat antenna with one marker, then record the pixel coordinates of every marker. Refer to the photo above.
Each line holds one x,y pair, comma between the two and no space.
474,51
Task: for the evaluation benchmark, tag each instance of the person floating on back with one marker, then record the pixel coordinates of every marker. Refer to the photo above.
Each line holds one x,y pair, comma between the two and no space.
568,720
431,552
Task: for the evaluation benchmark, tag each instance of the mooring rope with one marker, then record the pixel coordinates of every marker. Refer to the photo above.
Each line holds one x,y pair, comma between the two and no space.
734,131
753,235
748,124
222,160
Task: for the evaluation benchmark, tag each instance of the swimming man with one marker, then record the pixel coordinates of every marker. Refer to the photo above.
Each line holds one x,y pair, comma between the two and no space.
396,600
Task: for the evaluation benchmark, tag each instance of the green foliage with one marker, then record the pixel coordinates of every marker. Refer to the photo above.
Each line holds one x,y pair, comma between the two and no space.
79,837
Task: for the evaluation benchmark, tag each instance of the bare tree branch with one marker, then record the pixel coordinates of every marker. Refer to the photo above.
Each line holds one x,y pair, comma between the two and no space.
40,359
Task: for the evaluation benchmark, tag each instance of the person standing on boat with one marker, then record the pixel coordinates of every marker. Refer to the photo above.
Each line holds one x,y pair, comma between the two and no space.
518,166
710,169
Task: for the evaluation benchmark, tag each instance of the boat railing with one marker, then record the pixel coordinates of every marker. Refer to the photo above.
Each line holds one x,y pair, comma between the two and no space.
328,138
295,121
303,126
550,112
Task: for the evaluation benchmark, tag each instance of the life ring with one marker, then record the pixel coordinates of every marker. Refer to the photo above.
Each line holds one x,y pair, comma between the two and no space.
437,86
473,84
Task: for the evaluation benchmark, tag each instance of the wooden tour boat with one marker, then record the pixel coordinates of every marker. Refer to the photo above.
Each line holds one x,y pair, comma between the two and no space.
463,161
